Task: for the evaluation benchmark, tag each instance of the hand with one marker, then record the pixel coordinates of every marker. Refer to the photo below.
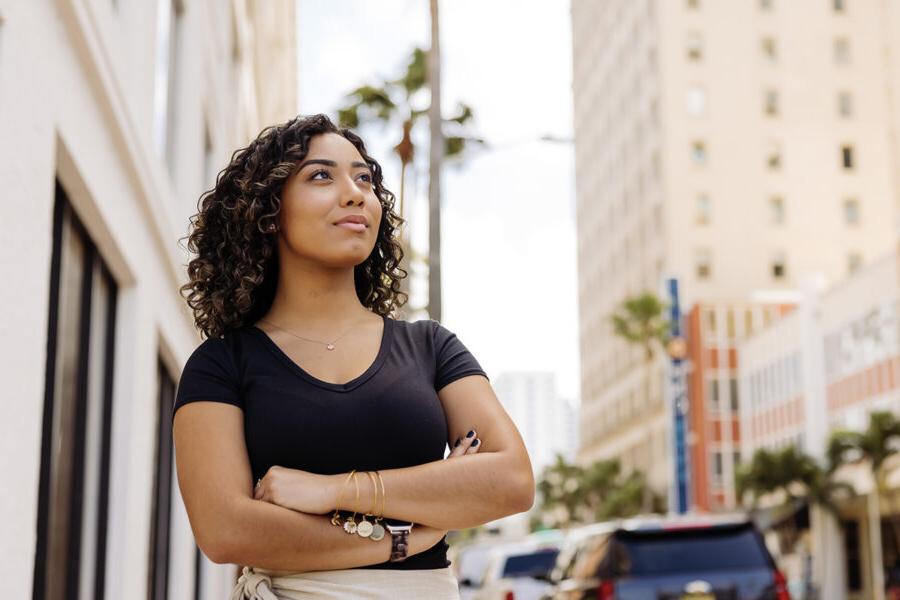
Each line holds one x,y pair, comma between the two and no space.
298,490
465,445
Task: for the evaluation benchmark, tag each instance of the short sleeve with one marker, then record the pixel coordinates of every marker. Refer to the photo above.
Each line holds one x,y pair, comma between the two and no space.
452,359
209,374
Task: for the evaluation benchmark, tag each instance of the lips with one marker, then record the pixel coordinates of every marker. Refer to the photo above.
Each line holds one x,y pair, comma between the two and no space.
354,219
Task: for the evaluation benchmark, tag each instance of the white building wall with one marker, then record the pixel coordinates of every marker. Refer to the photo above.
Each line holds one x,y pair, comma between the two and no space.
76,102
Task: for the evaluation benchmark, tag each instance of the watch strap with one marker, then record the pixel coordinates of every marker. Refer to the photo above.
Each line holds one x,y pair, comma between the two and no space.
399,541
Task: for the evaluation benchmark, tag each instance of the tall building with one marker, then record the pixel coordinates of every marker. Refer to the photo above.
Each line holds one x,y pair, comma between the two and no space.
733,146
116,116
545,420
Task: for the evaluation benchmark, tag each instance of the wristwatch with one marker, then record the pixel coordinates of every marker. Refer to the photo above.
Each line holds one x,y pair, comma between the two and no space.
399,531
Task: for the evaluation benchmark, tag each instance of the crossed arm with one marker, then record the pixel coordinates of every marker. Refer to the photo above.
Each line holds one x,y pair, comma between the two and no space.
230,525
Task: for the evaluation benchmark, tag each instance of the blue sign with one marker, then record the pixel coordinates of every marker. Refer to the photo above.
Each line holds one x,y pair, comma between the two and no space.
677,383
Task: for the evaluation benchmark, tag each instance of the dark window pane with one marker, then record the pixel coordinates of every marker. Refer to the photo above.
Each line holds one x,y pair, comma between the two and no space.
524,565
694,550
70,553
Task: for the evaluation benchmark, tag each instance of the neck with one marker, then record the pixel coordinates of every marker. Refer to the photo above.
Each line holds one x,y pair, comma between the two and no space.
313,298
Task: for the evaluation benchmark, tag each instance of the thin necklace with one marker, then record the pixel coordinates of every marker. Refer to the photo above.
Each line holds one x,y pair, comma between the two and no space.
328,345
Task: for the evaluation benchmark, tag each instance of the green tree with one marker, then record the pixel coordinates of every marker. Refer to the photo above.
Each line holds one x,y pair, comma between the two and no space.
394,103
598,492
873,446
641,322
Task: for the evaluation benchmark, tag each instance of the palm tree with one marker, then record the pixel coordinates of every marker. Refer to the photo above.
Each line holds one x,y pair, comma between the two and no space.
795,474
641,321
597,492
874,446
391,103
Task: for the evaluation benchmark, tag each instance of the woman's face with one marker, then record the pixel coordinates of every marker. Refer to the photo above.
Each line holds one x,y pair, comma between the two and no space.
332,182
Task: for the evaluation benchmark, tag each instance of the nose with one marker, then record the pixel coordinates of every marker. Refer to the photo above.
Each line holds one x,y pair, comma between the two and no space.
353,196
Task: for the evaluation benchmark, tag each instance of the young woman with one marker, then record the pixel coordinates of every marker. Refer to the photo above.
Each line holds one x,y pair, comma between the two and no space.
310,427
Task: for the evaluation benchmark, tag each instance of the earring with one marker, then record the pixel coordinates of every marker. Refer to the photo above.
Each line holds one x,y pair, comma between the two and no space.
271,228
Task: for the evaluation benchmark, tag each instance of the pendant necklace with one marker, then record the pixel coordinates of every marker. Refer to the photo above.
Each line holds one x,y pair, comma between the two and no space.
328,345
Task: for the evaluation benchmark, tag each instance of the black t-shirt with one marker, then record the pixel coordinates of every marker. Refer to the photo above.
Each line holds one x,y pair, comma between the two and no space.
389,417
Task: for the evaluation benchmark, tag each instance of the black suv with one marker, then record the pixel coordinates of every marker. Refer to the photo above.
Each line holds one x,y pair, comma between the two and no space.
666,559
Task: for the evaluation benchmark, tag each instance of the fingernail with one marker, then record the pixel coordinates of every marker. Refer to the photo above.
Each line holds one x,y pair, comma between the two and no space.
458,442
475,443
470,434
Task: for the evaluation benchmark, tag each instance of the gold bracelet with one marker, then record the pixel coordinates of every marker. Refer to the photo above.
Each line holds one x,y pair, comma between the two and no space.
335,518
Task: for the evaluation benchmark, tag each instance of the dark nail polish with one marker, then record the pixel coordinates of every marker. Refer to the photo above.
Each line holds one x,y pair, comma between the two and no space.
475,443
470,434
458,442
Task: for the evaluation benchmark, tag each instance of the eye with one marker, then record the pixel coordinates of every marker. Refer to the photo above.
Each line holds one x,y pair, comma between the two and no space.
313,176
368,177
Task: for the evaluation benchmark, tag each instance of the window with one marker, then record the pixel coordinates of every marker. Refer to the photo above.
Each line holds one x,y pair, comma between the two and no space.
698,152
209,165
770,49
838,6
703,209
847,156
711,320
703,264
851,211
776,205
733,390
766,4
717,466
713,395
770,103
841,51
696,101
162,487
694,47
854,262
845,104
773,156
779,269
693,4
73,493
169,34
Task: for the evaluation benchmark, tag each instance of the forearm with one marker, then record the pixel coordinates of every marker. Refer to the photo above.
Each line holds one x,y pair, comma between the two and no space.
268,536
450,494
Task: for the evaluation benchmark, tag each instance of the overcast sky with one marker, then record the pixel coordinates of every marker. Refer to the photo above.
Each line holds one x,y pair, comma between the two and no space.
509,254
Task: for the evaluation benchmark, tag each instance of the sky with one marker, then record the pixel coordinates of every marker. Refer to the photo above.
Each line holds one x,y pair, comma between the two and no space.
509,246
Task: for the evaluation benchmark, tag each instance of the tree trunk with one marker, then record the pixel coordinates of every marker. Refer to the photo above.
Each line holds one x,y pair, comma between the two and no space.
403,313
647,500
875,555
435,159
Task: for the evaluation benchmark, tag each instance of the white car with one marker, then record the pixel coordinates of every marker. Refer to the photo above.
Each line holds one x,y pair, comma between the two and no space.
513,571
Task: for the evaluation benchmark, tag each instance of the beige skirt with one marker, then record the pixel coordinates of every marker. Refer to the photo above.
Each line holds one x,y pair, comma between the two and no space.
366,584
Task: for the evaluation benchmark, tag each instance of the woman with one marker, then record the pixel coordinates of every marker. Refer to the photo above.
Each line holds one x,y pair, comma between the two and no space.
306,386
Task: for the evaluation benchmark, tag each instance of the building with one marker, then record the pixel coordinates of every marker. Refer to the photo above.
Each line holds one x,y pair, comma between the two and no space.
732,146
116,116
546,421
827,365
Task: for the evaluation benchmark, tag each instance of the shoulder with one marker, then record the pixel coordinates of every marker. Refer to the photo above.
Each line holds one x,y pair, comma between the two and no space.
219,351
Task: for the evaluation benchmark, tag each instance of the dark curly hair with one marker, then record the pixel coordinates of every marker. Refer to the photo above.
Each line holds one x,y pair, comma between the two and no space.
233,278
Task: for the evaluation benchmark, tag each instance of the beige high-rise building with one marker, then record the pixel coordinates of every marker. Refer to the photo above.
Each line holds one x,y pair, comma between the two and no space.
734,146
115,116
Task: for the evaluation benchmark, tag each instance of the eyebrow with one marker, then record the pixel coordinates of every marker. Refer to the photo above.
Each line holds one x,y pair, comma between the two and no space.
329,163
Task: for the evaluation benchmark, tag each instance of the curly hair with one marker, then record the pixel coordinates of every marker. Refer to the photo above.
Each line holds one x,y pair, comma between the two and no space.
233,278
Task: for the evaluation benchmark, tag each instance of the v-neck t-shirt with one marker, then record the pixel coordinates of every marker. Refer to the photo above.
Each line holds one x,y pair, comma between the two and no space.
388,417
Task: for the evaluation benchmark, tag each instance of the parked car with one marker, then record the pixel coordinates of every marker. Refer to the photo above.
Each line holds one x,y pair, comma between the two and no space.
518,571
469,566
667,559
